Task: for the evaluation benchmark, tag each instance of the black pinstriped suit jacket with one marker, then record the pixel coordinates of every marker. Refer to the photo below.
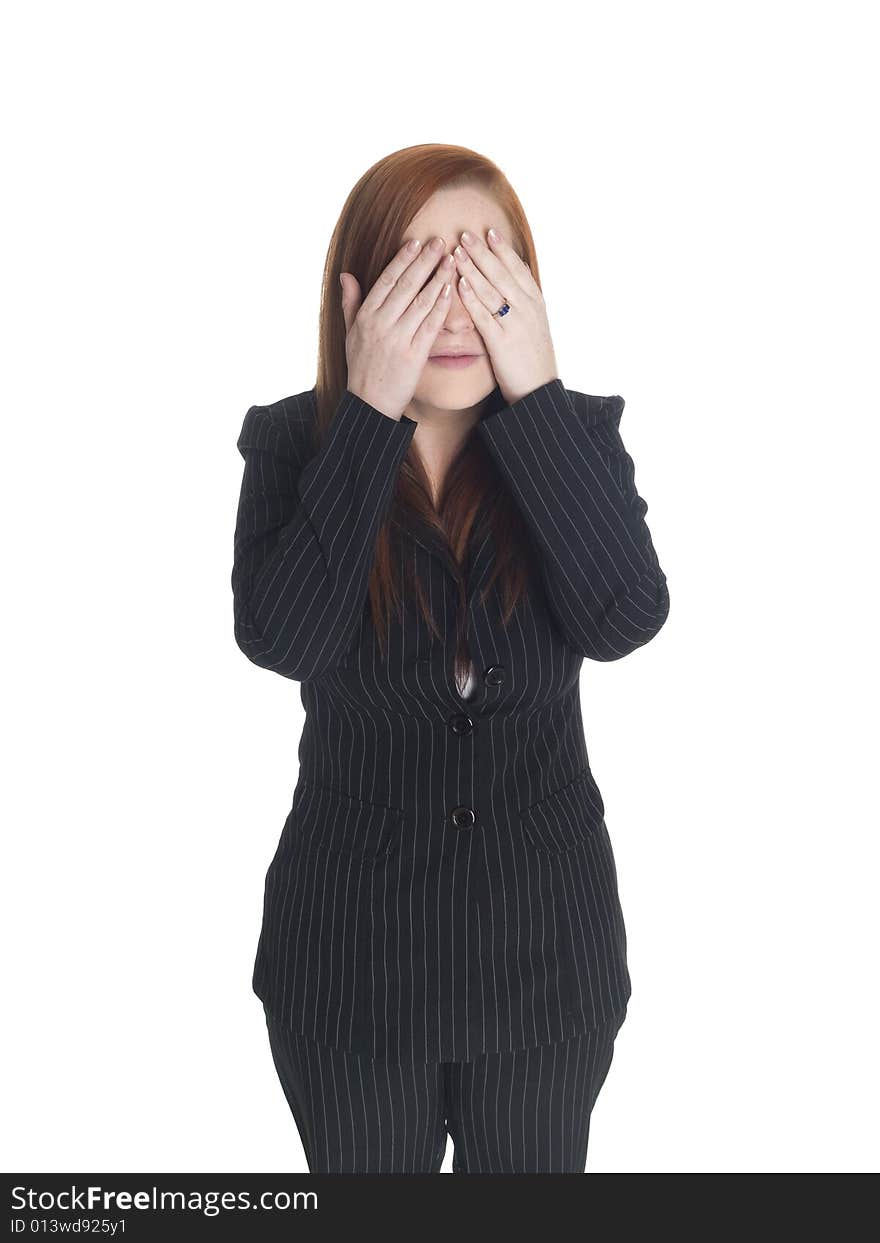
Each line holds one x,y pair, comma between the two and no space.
444,883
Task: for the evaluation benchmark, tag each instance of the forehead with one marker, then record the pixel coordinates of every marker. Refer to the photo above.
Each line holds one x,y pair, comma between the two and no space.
450,210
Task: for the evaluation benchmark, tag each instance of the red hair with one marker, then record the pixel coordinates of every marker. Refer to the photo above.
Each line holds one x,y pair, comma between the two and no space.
368,233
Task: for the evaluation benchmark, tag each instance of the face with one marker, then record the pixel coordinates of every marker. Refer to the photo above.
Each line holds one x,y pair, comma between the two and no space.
445,215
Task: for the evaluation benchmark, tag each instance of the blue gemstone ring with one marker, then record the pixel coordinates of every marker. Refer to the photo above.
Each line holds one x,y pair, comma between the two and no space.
503,310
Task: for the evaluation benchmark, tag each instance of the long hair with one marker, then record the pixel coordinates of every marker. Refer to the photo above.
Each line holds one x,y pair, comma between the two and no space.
368,234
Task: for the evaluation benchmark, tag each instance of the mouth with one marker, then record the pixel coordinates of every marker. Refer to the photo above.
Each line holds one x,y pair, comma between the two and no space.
454,361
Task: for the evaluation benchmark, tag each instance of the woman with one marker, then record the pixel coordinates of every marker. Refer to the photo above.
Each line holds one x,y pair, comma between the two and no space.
431,541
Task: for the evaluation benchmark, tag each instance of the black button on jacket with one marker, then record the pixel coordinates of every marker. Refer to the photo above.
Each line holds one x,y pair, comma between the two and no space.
444,883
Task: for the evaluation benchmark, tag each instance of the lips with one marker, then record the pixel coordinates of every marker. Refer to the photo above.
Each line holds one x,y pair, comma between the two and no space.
454,362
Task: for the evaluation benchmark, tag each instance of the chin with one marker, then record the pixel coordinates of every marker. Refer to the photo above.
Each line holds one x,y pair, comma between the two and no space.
457,389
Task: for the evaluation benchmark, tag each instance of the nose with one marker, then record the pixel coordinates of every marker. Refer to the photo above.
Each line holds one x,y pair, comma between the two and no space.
457,318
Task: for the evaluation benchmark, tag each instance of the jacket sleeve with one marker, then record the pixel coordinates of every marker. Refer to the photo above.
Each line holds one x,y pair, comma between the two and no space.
574,483
306,532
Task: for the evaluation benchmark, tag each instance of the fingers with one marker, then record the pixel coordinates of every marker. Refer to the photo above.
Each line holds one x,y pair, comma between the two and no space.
492,274
406,295
401,280
425,301
482,313
518,267
490,280
427,331
351,293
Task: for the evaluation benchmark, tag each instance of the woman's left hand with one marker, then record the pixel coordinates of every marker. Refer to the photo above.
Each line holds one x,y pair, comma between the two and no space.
518,343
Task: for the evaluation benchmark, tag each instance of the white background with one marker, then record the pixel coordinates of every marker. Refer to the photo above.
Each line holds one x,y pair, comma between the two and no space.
699,182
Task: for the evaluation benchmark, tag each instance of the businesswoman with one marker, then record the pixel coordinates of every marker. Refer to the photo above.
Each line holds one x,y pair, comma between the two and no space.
430,541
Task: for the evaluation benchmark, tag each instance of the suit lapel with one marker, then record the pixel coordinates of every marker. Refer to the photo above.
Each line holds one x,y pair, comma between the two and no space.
479,554
481,545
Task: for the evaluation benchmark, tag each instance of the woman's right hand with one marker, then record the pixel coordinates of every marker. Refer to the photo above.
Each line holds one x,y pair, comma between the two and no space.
390,334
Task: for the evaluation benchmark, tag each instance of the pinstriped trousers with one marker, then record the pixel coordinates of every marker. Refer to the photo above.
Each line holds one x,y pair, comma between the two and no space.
521,1112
